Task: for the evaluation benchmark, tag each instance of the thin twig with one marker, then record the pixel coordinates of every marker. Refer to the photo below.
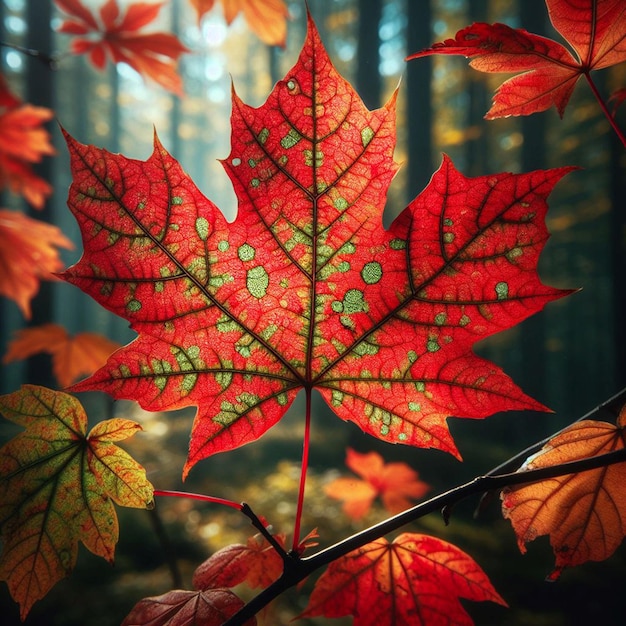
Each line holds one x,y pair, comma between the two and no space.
49,60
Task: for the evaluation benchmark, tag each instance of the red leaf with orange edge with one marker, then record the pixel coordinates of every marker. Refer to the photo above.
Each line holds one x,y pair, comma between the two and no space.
584,513
183,608
72,356
28,253
596,30
396,483
415,580
267,18
115,34
306,289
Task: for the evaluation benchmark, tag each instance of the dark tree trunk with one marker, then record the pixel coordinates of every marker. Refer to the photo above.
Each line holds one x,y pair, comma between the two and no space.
368,82
419,109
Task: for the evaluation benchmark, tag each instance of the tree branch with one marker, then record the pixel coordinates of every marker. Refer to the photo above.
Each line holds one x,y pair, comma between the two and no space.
300,568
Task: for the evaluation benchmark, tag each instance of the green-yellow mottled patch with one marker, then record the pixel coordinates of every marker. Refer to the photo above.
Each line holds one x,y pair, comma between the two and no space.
246,252
202,228
367,134
372,273
257,281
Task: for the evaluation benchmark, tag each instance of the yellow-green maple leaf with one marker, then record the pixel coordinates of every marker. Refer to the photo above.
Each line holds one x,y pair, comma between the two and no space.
57,486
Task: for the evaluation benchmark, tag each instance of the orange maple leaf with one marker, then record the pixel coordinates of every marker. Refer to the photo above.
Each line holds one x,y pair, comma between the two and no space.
395,483
113,34
267,18
72,357
28,254
584,513
414,580
23,141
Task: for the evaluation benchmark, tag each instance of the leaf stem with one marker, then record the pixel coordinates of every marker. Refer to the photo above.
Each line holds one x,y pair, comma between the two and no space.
49,60
199,496
605,109
303,470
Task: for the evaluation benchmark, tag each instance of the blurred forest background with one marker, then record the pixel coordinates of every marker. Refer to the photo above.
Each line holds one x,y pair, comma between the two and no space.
570,357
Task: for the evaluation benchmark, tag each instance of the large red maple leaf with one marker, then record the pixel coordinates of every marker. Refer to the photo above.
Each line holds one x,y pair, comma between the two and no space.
306,289
596,30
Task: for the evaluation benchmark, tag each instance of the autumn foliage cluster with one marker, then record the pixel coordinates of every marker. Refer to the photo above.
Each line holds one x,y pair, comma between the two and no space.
305,290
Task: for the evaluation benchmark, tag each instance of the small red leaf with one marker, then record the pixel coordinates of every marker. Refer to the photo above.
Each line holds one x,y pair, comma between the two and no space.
415,580
257,564
183,608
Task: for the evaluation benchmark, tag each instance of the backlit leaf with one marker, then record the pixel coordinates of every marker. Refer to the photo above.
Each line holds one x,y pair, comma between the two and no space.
115,34
306,289
28,253
595,29
72,357
584,513
396,483
416,580
57,487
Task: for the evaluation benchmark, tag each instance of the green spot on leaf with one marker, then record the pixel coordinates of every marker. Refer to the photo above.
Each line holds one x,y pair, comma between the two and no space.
257,281
290,139
223,245
246,252
133,305
367,134
397,244
502,291
263,135
440,319
372,272
202,228
177,200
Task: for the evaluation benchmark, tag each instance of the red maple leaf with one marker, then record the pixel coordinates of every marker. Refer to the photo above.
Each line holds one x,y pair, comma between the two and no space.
113,34
267,18
182,608
257,563
415,580
396,483
28,253
595,29
584,513
306,289
23,141
72,357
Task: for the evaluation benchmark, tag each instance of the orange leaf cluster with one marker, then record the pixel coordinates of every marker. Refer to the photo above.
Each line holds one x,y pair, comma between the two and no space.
23,141
267,18
396,483
28,253
584,513
72,357
150,54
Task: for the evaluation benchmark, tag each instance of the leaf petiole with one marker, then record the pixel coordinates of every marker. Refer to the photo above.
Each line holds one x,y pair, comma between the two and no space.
199,496
605,109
